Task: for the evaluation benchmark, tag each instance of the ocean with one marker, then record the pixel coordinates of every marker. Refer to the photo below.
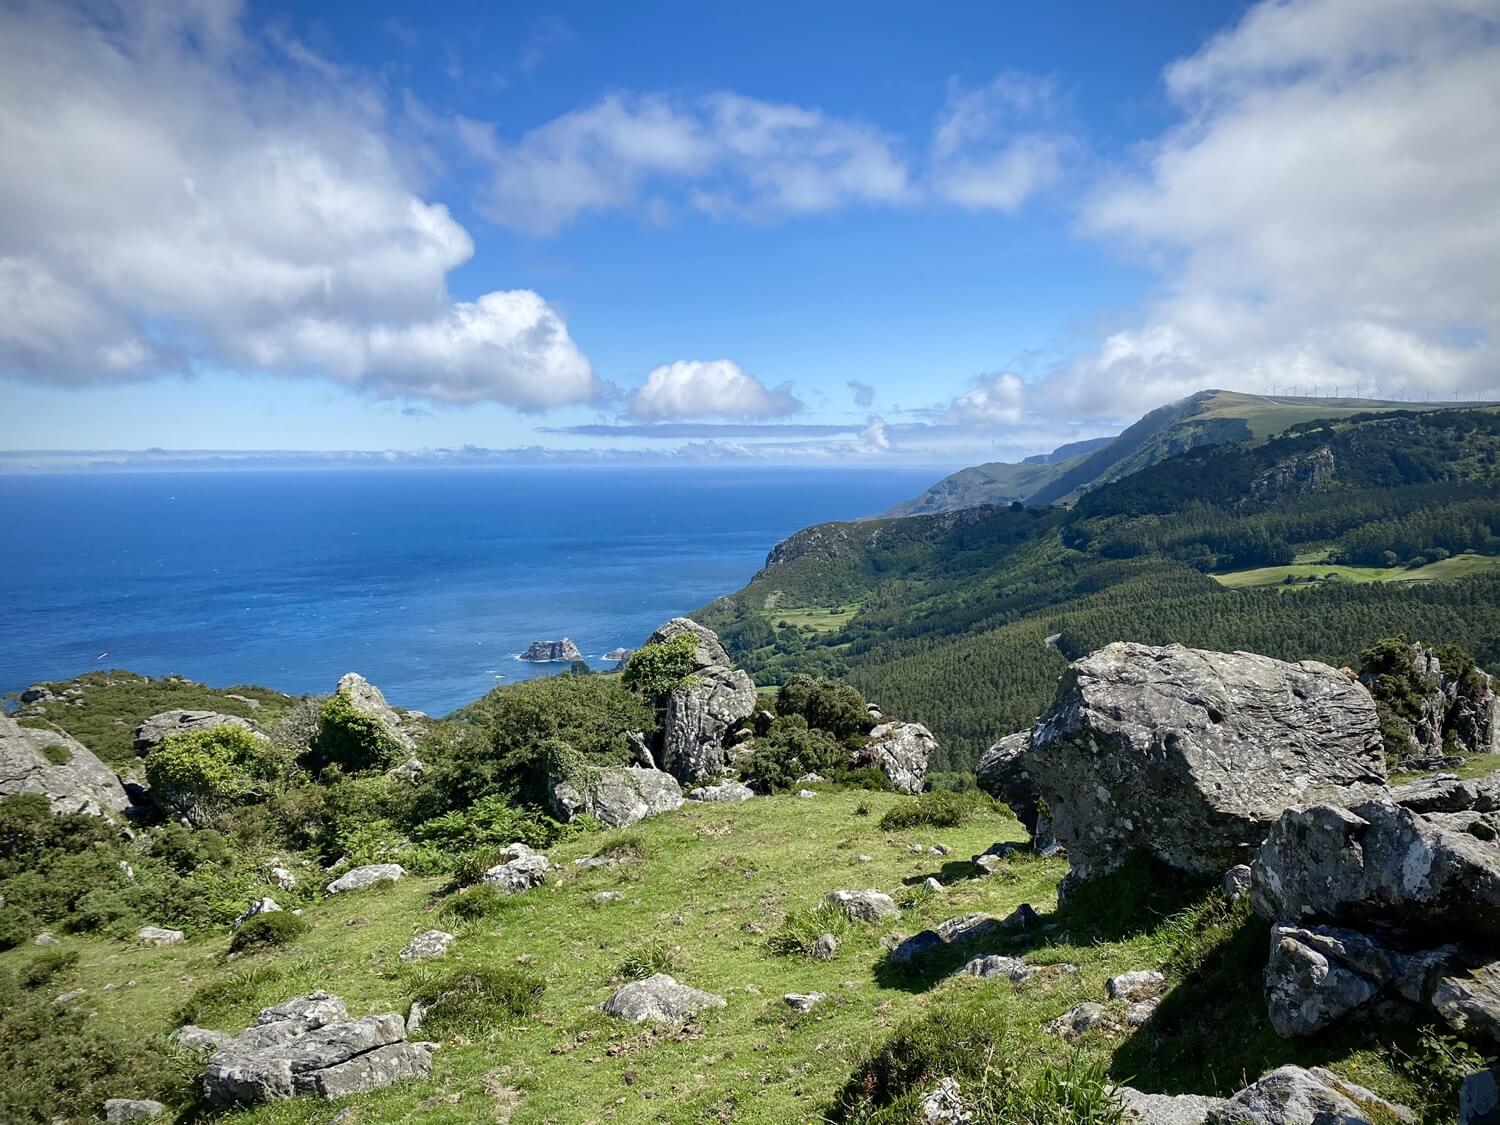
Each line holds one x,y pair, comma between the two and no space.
427,582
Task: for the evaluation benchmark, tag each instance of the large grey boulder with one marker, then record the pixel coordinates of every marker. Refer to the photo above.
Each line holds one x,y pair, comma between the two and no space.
901,751
552,652
77,782
368,699
616,796
1190,755
1290,1095
1378,863
310,1046
695,716
164,724
1002,774
361,878
730,792
160,935
659,999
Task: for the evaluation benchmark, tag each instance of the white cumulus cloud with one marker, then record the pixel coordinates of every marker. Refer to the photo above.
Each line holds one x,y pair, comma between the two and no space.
177,192
713,389
1328,210
988,152
996,399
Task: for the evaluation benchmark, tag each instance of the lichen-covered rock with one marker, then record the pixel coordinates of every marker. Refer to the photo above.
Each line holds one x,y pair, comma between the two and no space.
994,965
1378,863
368,699
1451,708
730,791
159,727
122,1111
427,946
160,935
616,796
59,768
696,715
863,906
1002,774
518,875
1143,984
1079,1020
360,878
659,999
1190,755
1470,1002
1165,1109
944,1104
901,751
310,1046
1290,1095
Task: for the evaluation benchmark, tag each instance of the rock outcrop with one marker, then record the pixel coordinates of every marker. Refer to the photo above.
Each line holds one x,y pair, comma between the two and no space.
616,796
695,715
1378,864
1190,755
310,1046
428,946
1454,709
368,699
1002,774
552,652
164,724
59,768
725,791
521,871
1290,1095
659,999
901,751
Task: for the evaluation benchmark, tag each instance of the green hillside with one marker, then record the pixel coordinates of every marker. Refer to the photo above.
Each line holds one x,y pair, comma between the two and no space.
1206,418
954,611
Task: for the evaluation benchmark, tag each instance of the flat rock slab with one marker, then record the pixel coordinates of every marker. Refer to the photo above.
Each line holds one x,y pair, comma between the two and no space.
1166,1109
428,946
122,1111
1140,985
659,999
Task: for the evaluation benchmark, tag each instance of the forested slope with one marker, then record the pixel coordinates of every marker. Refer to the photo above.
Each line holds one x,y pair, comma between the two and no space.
963,620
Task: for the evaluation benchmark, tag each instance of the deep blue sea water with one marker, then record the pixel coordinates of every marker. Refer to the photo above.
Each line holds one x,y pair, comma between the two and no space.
428,582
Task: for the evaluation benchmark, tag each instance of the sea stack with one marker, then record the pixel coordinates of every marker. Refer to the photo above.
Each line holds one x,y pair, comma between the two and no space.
551,652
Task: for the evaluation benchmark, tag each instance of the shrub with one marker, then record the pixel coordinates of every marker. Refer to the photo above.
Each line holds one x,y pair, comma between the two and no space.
655,670
42,968
57,753
199,774
791,750
826,705
214,1000
498,747
475,904
1437,1067
268,931
350,739
489,822
473,1001
939,810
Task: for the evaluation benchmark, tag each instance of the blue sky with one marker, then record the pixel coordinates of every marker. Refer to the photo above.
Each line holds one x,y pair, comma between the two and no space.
789,233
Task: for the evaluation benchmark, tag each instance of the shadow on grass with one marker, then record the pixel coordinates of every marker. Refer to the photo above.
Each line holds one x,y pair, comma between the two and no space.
1132,900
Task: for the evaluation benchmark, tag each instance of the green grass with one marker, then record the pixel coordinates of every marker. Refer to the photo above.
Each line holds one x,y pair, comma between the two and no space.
1476,765
1447,570
826,620
712,886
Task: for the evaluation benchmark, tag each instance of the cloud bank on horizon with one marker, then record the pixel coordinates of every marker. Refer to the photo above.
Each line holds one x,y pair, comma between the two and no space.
187,190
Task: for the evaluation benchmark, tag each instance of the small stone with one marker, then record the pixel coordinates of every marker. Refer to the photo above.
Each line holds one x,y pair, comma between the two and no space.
994,965
931,884
988,864
802,1001
863,906
45,938
1140,985
120,1111
428,946
1078,1020
864,858
69,996
262,906
1141,1011
943,1105
518,875
731,791
659,999
283,878
198,1038
1237,882
805,794
604,897
825,947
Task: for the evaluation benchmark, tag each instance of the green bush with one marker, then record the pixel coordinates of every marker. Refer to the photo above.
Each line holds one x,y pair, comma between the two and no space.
655,670
57,753
350,739
826,705
789,751
475,904
473,1001
200,774
268,931
939,810
499,746
1437,1066
216,1000
42,968
489,822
